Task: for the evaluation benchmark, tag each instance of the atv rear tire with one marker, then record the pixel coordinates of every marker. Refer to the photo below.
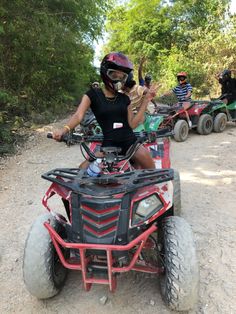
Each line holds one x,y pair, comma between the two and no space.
44,275
181,130
205,124
220,122
177,194
179,283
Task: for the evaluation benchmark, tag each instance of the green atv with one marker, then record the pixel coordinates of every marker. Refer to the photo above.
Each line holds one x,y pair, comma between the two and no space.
152,122
222,113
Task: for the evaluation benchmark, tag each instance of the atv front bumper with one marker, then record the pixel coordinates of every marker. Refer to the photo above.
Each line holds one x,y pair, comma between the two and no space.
83,262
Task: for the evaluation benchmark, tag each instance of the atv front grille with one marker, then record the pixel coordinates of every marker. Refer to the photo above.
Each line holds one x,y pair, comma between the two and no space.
100,218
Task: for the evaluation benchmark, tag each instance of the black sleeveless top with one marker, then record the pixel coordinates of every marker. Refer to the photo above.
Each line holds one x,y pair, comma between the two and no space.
112,115
229,87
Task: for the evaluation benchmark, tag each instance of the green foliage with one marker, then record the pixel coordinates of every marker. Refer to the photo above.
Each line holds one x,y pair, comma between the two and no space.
197,36
46,50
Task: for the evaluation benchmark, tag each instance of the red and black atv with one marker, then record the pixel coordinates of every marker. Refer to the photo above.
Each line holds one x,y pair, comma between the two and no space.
124,219
182,117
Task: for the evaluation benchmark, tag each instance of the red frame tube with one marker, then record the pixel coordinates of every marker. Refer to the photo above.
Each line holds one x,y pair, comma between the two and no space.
82,247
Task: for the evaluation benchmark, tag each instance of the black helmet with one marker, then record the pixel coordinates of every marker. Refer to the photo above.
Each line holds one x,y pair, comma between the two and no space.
148,78
111,63
225,76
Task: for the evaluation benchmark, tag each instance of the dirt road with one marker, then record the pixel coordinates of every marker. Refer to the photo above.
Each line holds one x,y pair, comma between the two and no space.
207,166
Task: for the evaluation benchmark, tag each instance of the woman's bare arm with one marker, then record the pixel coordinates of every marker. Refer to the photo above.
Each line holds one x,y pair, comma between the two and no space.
135,120
75,119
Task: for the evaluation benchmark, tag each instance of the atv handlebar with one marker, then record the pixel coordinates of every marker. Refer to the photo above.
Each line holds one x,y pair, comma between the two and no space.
142,137
76,138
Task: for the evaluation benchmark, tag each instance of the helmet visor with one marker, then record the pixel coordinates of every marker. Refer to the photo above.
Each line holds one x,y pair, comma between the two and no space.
116,75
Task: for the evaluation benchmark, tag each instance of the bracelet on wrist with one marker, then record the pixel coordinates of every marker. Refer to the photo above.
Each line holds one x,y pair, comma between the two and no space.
67,128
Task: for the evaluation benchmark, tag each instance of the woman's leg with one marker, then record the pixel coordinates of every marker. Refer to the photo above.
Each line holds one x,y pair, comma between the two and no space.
143,159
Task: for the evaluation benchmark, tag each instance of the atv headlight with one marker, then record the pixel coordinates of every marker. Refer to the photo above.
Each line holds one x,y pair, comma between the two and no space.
146,208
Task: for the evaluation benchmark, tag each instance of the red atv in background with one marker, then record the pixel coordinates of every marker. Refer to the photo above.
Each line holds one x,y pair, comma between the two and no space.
184,116
123,219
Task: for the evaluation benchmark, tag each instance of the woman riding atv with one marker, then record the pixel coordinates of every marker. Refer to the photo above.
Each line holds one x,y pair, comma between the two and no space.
112,109
228,86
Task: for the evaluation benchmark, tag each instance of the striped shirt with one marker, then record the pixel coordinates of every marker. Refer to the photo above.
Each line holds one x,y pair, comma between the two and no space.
182,90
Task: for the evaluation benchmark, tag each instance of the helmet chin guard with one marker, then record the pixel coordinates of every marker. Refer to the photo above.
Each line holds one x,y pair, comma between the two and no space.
117,86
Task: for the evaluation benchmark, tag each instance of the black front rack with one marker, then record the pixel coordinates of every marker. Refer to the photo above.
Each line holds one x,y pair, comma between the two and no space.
78,181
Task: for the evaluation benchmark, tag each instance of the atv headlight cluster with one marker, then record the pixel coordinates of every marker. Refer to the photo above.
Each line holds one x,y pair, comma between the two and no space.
145,208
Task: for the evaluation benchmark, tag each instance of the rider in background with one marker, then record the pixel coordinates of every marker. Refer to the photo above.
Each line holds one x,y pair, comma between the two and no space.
228,86
112,109
183,90
147,79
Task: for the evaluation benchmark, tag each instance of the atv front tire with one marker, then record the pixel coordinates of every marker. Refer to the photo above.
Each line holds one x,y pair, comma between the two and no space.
43,273
205,124
177,194
181,130
179,283
220,122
